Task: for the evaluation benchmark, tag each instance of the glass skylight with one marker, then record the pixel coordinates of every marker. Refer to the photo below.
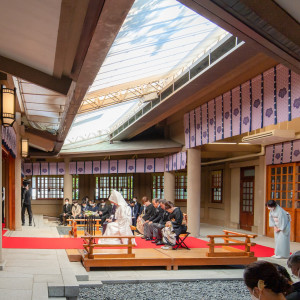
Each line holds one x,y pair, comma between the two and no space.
158,40
96,124
157,37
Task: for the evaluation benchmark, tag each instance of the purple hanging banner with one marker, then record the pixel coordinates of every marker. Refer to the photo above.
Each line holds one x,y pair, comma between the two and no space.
36,169
204,124
80,167
227,114
183,160
269,155
167,163
282,88
170,163
278,154
178,161
236,112
113,167
269,115
192,129
96,167
295,95
88,167
187,130
286,156
72,168
149,165
159,164
219,118
198,126
122,166
104,167
256,103
53,168
61,168
140,165
246,107
27,169
131,166
211,121
296,151
174,161
44,168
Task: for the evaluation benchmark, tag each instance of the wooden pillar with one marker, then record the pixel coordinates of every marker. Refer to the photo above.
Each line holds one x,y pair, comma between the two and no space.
1,259
169,186
11,192
18,180
193,191
67,181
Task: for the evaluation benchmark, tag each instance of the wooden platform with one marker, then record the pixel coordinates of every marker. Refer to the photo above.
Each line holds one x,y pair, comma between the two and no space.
159,257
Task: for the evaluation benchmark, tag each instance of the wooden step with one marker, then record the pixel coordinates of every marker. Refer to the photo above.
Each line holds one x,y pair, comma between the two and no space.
74,254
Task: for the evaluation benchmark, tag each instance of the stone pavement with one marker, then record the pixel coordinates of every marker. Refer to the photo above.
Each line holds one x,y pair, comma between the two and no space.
48,274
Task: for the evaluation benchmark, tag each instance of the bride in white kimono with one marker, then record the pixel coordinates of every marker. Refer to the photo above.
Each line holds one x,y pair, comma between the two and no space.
122,223
280,220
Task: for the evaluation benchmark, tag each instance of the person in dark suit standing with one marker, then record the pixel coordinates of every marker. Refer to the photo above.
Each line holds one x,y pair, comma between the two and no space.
67,211
26,202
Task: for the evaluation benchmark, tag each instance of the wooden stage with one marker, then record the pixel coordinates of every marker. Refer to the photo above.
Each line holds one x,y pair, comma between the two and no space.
170,259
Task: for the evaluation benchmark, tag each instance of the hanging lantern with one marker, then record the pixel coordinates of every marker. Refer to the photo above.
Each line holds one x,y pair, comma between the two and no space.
25,147
8,106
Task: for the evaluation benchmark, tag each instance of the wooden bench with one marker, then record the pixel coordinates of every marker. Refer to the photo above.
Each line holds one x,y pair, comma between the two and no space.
74,227
90,257
229,238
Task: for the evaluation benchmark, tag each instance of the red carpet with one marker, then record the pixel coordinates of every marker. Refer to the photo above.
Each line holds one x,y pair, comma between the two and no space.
73,243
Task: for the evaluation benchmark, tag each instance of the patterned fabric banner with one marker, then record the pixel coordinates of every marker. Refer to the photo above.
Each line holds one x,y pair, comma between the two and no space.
88,167
45,168
283,153
142,165
36,169
61,168
27,169
9,140
267,99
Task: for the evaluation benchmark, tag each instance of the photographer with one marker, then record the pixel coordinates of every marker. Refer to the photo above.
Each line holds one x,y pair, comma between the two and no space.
26,202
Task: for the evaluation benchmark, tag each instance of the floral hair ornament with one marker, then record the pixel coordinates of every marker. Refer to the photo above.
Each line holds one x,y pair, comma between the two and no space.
261,284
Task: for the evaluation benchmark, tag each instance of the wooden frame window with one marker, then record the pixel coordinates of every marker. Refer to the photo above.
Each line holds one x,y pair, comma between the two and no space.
47,187
75,187
158,186
106,183
217,186
181,187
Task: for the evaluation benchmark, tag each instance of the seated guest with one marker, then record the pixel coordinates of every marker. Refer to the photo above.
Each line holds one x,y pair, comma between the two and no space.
135,208
103,211
173,227
265,282
149,212
294,263
90,205
85,200
93,207
83,210
67,211
148,226
76,210
157,227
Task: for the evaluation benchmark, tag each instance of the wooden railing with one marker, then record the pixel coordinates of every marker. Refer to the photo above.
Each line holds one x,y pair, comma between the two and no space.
229,238
90,244
74,226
